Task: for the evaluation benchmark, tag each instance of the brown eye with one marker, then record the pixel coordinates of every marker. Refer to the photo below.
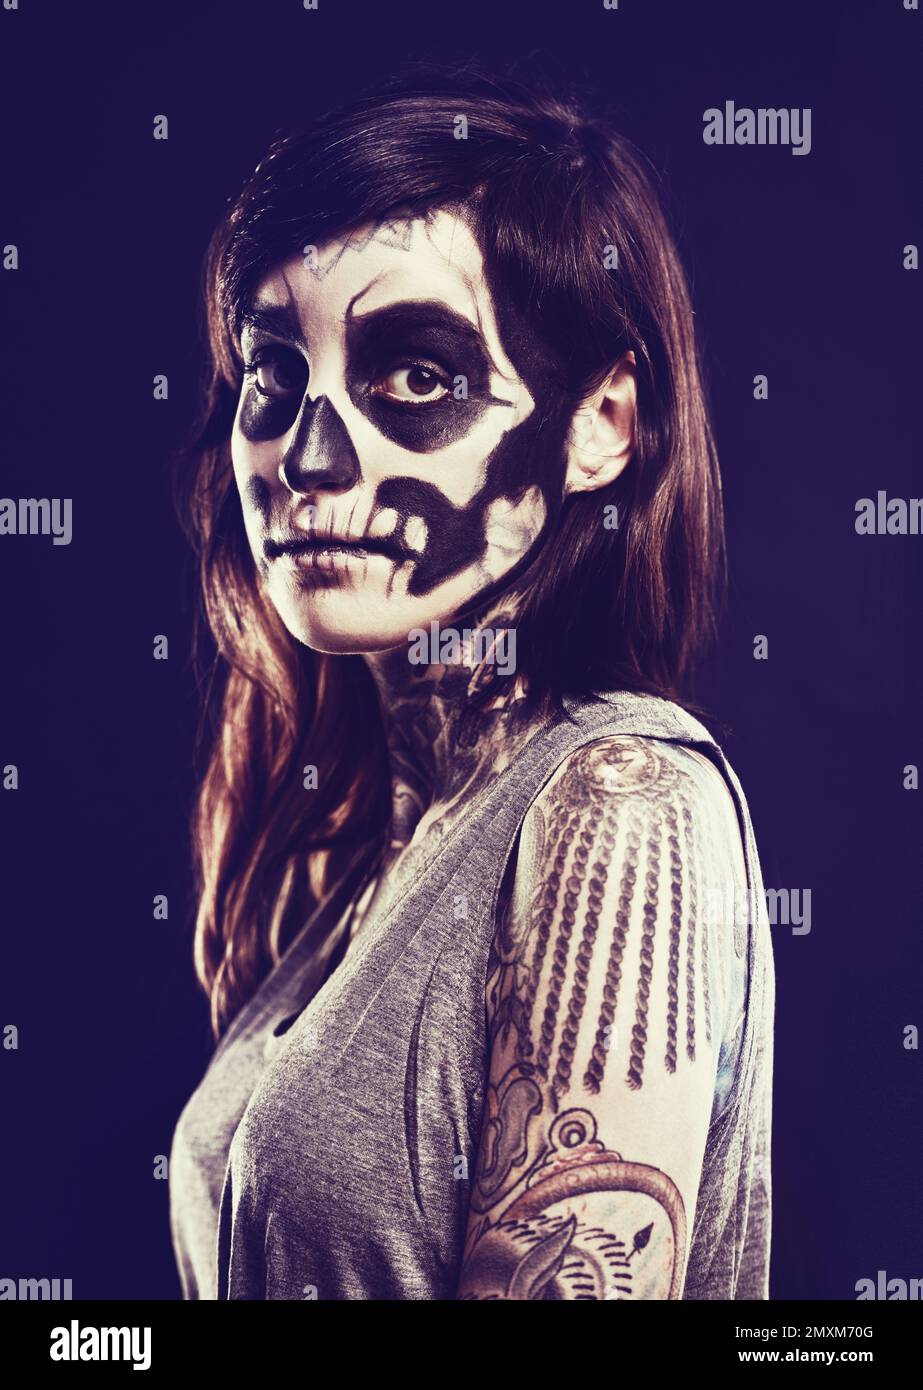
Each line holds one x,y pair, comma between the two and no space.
280,375
412,382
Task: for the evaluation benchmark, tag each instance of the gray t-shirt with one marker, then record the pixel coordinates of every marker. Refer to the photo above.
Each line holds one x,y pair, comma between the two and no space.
318,1155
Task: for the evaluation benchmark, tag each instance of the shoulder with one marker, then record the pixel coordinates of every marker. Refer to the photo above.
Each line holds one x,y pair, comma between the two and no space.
624,786
652,771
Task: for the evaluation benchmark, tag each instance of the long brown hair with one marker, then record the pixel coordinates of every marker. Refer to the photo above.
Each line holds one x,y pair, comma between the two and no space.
553,193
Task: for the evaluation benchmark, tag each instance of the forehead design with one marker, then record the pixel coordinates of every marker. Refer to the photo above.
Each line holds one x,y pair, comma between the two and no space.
433,257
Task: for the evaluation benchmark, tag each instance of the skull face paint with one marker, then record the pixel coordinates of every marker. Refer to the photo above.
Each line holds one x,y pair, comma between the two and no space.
394,461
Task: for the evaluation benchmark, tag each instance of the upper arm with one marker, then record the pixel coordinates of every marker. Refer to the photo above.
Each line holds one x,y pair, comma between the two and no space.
606,995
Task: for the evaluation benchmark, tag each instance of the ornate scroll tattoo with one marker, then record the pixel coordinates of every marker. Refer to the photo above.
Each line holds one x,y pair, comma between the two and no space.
597,978
540,1248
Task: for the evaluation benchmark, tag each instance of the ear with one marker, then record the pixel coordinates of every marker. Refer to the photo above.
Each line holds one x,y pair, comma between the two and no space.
602,432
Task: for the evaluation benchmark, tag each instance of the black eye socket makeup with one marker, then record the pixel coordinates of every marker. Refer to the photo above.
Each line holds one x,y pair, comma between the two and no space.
278,373
417,369
275,380
411,337
275,373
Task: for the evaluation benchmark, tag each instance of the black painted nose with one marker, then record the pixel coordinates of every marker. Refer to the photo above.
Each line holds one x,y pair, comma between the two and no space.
321,453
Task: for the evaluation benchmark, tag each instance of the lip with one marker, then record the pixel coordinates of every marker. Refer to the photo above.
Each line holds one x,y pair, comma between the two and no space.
330,558
326,552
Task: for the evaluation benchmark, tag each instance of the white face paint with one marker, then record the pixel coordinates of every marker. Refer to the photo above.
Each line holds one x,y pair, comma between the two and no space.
379,406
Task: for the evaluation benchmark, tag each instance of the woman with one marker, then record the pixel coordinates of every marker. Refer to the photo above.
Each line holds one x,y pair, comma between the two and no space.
482,1032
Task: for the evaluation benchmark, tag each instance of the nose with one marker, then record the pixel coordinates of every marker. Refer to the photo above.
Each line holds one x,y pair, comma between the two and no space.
321,453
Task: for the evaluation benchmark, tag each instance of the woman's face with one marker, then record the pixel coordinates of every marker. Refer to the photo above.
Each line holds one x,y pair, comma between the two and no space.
386,446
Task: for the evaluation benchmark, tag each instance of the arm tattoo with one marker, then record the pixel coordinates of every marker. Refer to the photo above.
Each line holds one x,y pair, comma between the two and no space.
598,971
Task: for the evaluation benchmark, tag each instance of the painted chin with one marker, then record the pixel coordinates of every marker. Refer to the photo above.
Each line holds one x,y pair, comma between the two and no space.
343,603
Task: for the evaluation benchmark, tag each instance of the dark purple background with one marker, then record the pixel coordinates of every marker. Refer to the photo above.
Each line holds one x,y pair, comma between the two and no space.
796,270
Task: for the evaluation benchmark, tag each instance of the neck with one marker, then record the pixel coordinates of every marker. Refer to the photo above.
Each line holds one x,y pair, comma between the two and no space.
442,747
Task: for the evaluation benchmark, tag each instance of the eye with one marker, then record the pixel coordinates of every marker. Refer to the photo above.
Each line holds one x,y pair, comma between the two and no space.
278,373
413,383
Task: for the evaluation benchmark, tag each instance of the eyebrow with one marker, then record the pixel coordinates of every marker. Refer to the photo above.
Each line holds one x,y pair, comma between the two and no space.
422,314
278,319
437,310
281,320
